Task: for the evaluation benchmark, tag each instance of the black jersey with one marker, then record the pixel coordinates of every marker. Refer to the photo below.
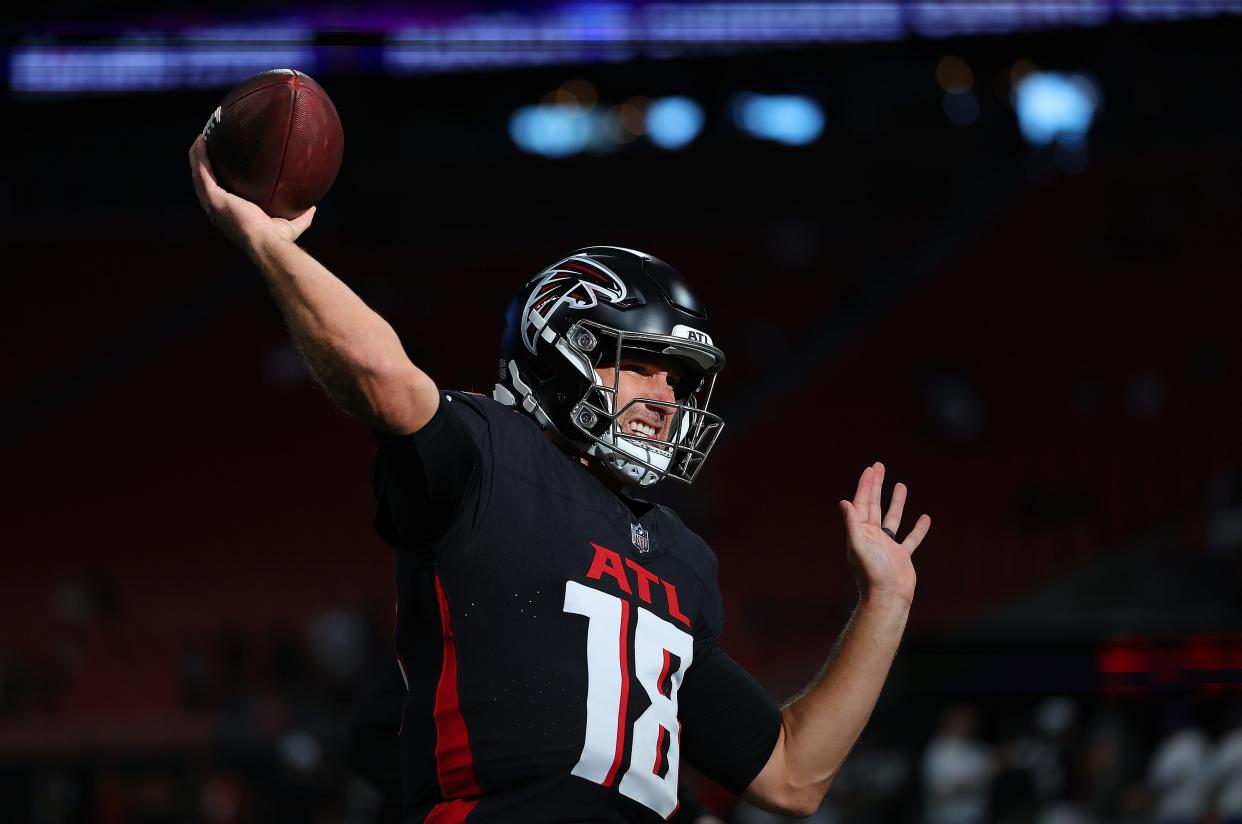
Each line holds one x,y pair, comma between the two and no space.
559,643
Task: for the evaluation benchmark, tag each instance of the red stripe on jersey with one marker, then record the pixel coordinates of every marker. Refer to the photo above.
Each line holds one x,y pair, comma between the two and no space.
673,814
659,762
663,674
670,816
454,761
623,706
450,812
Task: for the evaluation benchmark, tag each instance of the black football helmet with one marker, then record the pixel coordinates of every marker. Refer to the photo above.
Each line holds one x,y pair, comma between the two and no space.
584,312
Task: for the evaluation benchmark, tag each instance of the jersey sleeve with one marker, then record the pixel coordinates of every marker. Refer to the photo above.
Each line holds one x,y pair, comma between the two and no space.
729,723
434,483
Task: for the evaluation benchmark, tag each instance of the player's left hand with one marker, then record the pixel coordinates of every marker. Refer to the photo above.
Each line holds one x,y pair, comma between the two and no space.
881,564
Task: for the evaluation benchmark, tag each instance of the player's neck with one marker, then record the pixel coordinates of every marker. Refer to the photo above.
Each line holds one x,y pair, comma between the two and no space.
610,481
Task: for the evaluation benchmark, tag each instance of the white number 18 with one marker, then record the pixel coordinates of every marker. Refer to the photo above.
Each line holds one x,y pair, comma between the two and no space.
656,641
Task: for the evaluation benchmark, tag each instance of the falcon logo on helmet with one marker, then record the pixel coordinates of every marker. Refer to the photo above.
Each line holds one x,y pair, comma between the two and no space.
577,281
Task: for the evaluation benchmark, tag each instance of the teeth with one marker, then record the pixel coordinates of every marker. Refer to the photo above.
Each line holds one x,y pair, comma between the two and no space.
643,429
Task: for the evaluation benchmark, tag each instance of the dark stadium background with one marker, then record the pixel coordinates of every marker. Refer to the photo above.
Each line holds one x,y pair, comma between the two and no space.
1045,347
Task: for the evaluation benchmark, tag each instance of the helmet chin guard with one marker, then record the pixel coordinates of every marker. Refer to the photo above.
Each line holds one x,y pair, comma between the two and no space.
583,314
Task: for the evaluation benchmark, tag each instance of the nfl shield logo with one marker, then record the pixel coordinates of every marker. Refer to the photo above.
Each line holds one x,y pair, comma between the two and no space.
640,537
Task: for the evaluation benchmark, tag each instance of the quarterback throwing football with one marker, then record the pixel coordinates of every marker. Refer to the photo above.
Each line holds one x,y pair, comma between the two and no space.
558,636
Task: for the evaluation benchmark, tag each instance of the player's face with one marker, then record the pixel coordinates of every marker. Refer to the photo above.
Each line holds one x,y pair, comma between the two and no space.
647,376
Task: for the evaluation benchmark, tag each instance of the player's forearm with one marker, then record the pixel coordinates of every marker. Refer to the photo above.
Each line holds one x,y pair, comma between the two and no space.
821,725
351,350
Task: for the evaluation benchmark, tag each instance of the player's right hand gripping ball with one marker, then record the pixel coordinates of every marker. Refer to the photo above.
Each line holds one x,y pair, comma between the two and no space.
276,140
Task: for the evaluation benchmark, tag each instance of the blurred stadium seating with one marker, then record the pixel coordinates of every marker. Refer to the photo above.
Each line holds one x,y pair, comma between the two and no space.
1049,358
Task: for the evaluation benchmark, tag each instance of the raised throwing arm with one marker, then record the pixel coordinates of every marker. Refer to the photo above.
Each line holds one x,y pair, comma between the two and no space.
820,725
353,353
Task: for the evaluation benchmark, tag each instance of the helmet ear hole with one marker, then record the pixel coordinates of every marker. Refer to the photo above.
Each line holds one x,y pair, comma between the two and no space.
542,371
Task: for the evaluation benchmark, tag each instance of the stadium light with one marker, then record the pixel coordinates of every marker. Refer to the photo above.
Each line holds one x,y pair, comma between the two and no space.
673,122
552,130
1055,107
790,119
206,57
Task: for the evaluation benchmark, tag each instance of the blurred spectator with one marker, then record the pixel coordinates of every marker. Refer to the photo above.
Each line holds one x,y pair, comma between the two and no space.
1013,796
1056,721
1226,770
869,785
1113,761
1033,775
957,769
1178,773
338,644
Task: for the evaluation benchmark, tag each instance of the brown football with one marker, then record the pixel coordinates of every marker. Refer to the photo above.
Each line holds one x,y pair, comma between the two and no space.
276,140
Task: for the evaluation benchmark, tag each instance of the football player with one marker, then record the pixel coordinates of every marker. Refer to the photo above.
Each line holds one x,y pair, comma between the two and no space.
559,636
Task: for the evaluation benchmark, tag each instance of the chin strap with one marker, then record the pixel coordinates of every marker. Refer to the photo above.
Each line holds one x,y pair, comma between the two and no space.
628,471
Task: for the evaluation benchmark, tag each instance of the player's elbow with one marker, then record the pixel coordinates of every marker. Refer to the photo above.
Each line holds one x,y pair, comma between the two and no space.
400,398
791,805
801,802
783,795
786,787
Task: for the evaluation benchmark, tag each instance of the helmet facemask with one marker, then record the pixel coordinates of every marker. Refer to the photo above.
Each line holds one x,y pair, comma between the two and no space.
691,429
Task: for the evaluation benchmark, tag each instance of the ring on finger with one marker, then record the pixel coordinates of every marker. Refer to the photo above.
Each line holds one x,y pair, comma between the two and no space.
890,533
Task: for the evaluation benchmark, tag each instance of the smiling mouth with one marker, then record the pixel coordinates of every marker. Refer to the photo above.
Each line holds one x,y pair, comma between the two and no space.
642,428
643,433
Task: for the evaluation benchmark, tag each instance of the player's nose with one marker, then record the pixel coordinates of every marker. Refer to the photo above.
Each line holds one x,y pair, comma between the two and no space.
658,389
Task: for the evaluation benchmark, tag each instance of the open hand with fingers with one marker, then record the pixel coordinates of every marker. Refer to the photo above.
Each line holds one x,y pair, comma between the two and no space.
881,561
